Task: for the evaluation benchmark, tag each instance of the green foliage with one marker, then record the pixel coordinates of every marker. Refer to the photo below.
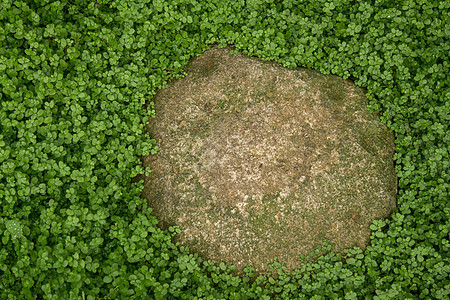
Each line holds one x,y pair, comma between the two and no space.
74,79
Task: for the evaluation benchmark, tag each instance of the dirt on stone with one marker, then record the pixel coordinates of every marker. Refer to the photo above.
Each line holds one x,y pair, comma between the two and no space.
258,161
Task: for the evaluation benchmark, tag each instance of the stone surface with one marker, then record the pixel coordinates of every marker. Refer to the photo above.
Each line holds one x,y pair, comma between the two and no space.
257,161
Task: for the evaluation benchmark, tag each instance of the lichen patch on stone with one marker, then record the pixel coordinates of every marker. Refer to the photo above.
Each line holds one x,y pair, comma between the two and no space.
258,161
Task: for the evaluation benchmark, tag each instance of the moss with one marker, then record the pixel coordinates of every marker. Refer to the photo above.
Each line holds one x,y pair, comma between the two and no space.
200,129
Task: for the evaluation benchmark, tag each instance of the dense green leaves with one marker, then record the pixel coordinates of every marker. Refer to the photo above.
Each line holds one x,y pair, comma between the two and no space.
74,77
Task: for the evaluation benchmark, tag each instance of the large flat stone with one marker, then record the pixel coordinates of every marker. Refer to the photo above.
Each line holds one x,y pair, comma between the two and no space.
258,161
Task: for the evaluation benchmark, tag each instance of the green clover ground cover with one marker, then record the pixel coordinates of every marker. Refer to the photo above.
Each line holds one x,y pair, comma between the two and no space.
74,76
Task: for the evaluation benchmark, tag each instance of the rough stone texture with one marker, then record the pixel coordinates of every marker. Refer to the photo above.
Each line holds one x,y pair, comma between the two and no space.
258,161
